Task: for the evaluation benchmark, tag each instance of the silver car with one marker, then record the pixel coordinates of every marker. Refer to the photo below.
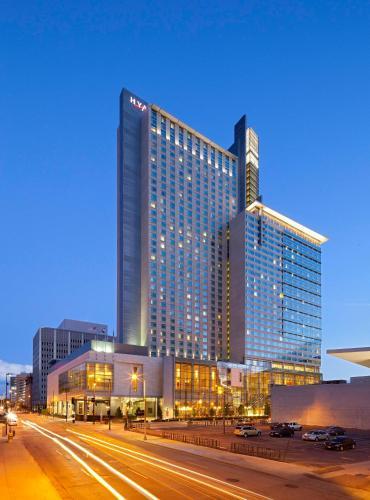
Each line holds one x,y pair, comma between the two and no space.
316,435
246,431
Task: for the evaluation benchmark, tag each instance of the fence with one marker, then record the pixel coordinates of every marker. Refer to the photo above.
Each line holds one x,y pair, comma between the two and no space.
257,451
197,440
239,448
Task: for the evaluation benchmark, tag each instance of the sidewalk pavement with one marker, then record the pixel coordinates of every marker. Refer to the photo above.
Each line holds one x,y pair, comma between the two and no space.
20,476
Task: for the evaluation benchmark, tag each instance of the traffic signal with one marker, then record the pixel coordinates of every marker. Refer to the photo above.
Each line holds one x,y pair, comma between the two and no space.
93,400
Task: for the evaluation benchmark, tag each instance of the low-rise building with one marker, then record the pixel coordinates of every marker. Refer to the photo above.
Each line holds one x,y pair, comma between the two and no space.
346,405
102,375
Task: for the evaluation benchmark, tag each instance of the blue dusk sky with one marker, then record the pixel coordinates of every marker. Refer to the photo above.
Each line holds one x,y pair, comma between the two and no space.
300,70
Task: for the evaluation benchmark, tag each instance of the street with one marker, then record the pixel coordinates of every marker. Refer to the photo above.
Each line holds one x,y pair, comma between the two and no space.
82,461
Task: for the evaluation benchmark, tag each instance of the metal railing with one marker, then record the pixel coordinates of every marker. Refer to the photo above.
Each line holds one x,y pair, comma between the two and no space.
238,448
257,451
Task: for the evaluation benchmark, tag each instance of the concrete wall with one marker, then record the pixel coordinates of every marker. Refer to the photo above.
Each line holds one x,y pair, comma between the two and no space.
347,405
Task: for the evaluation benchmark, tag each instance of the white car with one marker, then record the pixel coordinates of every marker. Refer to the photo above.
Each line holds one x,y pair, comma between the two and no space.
295,426
315,436
11,418
246,431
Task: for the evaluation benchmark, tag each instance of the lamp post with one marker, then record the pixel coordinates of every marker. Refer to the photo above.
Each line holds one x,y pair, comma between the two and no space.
94,385
221,391
134,377
110,404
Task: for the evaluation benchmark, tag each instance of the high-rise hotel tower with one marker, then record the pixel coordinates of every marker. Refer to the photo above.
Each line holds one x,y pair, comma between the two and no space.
194,248
177,190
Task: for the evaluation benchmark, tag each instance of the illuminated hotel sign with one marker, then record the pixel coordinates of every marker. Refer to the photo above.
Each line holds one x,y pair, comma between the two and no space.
139,105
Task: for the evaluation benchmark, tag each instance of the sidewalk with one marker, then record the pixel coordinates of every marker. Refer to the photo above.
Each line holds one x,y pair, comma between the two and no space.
20,476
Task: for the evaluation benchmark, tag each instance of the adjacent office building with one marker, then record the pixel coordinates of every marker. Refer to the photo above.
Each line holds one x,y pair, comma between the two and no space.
205,271
52,344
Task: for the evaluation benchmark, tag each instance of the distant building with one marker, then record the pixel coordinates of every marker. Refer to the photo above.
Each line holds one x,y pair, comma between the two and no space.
83,326
53,344
12,390
23,385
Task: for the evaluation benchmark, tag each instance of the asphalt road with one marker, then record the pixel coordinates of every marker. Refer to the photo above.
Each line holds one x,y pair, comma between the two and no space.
84,463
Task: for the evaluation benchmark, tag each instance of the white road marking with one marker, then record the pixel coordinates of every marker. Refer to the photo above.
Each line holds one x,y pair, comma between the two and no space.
102,481
114,471
156,462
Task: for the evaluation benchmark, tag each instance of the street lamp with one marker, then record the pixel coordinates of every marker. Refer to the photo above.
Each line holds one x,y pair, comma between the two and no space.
91,375
221,391
110,403
134,377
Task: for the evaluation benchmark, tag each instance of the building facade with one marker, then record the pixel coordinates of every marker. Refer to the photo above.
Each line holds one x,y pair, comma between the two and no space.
205,271
177,191
273,300
102,376
52,344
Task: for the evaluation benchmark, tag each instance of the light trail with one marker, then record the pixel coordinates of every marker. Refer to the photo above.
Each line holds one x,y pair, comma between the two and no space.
163,464
79,460
114,471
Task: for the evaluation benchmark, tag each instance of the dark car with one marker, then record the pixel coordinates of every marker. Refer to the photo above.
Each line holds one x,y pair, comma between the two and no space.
335,431
340,443
282,431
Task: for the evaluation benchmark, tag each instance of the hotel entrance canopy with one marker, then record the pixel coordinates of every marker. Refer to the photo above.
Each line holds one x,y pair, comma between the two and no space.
358,355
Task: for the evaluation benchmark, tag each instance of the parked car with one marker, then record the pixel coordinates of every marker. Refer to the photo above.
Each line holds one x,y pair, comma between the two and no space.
246,431
340,443
335,431
315,436
282,431
275,425
295,426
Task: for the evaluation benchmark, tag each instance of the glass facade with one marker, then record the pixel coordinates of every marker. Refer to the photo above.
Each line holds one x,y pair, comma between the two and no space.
275,280
90,377
201,391
192,194
282,293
